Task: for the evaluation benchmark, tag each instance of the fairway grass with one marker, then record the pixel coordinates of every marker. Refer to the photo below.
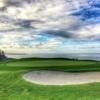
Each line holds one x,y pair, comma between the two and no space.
14,87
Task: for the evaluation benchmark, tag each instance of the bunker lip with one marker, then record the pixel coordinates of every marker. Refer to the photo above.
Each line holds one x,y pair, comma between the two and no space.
45,77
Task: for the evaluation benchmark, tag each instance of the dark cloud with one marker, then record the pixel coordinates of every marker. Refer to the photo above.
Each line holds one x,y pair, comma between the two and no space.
26,23
11,3
16,30
17,22
60,33
6,19
3,8
15,3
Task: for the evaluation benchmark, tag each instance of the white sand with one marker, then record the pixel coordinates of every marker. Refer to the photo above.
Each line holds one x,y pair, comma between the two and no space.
45,77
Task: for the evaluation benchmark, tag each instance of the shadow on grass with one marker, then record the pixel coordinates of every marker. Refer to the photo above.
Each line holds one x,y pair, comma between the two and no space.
86,68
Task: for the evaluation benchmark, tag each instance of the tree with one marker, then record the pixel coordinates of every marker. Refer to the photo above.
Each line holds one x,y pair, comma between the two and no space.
2,55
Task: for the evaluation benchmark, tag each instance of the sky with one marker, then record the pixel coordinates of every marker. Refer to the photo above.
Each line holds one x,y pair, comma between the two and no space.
50,26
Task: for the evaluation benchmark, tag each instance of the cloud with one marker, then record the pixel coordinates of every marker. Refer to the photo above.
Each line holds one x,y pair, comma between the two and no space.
53,45
22,20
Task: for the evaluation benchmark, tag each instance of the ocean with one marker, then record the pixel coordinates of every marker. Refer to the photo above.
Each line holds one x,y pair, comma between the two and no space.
80,56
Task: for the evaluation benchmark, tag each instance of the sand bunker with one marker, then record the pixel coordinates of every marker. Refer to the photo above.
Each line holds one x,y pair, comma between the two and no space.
45,77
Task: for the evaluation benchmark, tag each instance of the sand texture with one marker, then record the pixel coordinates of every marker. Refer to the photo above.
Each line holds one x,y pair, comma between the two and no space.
45,77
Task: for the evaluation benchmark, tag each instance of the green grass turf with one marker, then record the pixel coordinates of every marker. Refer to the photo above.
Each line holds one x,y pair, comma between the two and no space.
13,87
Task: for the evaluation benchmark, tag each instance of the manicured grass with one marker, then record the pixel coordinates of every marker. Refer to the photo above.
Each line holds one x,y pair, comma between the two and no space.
50,63
13,87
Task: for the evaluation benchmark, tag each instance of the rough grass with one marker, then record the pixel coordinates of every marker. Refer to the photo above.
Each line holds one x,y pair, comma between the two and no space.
13,87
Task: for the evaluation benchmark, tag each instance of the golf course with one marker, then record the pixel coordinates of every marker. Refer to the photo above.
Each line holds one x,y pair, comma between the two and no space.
14,87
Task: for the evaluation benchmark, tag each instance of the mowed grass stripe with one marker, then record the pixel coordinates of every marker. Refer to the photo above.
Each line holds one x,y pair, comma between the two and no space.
49,63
